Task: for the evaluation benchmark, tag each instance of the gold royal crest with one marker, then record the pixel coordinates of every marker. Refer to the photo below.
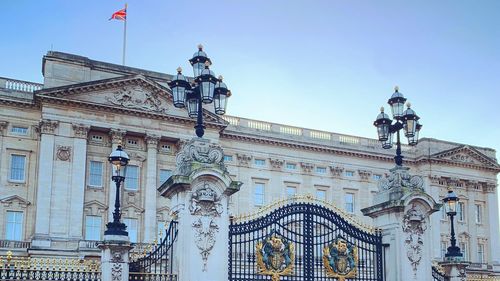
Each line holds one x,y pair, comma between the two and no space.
275,256
340,260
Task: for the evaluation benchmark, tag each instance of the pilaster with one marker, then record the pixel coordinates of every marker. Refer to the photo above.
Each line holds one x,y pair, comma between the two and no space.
150,190
116,136
44,188
78,180
494,229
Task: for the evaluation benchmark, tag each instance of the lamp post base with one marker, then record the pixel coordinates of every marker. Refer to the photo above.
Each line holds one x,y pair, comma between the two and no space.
116,228
454,252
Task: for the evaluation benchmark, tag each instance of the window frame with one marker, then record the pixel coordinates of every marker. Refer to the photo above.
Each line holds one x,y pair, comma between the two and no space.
129,228
479,213
127,178
93,226
263,195
353,195
25,164
288,188
325,192
461,214
160,175
259,162
90,183
19,224
288,166
14,132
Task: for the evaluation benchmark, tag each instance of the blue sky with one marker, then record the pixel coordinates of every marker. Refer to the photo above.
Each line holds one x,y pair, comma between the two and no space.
327,65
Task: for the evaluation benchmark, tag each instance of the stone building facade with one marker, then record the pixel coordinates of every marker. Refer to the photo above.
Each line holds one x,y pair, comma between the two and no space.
55,187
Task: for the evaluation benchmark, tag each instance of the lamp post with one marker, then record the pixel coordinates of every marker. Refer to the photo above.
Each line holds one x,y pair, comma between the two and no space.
404,119
451,201
119,160
204,88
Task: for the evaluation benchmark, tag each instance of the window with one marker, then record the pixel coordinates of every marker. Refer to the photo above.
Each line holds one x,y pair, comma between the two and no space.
349,173
349,202
258,195
95,173
377,177
443,212
17,163
444,249
131,228
291,166
480,253
160,230
164,175
464,250
260,162
132,142
19,130
321,170
460,211
228,158
479,213
321,194
291,191
14,226
93,228
165,147
132,177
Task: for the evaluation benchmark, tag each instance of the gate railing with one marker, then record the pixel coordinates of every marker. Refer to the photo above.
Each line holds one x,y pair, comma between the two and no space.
67,269
157,264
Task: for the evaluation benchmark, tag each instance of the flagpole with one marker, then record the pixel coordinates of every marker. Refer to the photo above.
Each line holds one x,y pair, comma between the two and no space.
124,35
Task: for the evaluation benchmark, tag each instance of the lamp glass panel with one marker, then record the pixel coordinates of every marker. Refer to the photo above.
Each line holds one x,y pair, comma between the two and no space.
387,143
409,127
383,132
207,91
198,68
397,109
192,106
220,104
119,170
179,94
451,206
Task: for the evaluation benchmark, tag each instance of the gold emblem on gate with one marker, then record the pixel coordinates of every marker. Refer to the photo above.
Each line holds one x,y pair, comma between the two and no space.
275,256
340,260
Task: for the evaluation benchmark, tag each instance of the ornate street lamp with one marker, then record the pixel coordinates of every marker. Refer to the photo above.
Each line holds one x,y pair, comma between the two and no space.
451,202
404,119
204,88
119,160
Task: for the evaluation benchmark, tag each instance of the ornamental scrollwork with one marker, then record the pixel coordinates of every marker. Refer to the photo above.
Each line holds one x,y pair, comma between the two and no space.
400,178
199,151
414,226
116,272
63,153
205,229
340,259
275,256
205,202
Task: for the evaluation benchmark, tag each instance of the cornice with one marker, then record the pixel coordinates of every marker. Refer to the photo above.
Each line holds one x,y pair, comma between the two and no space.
20,103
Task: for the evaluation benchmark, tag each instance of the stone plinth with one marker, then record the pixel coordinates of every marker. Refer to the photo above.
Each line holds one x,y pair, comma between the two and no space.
115,258
455,269
199,193
401,210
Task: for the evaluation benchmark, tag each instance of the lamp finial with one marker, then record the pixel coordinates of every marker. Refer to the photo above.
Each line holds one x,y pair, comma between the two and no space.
220,77
396,88
382,109
179,69
408,104
200,47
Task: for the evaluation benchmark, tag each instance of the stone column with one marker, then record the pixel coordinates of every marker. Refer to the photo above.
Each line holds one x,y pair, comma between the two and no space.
150,190
78,180
116,139
492,207
3,126
199,191
44,188
115,258
401,210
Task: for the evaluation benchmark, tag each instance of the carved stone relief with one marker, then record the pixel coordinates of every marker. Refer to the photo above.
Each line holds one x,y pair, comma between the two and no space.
337,170
3,125
243,159
117,136
80,131
276,163
201,152
364,174
307,167
48,126
205,205
414,226
138,98
63,153
116,272
463,158
399,178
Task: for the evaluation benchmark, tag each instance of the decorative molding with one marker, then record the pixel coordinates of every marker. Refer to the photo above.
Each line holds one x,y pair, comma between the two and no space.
3,126
9,200
199,151
205,201
364,174
152,141
307,167
63,153
80,131
400,178
243,159
48,126
337,171
414,226
117,136
116,271
276,163
137,97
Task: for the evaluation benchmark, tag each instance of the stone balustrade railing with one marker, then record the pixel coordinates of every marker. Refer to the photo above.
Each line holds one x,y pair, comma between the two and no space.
18,85
11,244
314,135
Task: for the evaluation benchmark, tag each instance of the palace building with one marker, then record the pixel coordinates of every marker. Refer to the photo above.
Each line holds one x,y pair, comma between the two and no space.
56,192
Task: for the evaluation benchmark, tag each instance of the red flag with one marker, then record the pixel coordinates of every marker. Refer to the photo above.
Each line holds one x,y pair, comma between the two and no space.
120,15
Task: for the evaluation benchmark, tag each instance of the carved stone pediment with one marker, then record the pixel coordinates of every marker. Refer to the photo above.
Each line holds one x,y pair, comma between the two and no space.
94,207
466,155
13,200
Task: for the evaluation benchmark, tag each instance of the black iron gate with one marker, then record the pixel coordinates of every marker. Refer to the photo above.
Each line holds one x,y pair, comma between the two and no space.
157,265
303,241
